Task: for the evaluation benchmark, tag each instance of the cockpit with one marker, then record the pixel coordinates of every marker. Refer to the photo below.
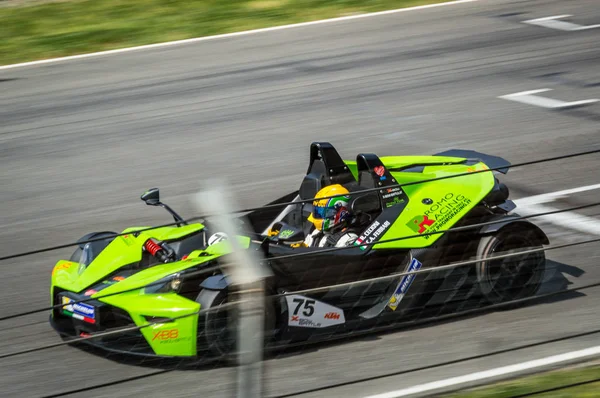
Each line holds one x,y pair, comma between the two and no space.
326,167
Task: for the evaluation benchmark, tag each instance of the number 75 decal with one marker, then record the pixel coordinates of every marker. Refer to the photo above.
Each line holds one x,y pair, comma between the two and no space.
310,313
309,306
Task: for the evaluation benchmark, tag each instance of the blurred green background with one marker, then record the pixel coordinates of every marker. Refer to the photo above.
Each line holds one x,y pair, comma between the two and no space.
569,383
32,30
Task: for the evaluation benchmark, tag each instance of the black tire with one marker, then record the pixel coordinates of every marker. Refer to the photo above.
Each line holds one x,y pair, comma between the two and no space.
514,277
217,329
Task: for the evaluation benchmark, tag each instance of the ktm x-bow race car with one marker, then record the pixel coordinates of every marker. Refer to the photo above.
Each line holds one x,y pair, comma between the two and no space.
147,277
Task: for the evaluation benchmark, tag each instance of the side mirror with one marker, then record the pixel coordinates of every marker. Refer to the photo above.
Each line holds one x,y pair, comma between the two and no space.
151,197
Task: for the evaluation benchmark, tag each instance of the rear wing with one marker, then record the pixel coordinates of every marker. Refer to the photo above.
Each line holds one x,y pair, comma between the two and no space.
493,162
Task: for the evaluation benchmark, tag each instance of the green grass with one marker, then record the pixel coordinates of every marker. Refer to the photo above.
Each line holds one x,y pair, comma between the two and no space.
64,28
542,382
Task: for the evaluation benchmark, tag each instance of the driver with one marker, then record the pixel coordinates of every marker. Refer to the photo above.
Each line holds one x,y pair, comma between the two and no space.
331,218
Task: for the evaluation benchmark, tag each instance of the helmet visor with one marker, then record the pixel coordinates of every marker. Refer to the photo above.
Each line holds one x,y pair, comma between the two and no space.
320,213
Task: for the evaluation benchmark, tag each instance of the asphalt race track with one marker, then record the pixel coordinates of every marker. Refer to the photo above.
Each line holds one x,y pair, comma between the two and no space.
81,140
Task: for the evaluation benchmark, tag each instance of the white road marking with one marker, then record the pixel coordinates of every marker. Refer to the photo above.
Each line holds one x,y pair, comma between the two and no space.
487,374
549,197
552,23
234,34
528,97
570,220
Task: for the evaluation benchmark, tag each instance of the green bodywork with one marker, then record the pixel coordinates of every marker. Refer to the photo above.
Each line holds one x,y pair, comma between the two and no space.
125,250
451,199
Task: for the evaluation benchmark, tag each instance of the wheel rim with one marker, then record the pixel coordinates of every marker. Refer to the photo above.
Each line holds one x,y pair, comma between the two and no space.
221,328
515,276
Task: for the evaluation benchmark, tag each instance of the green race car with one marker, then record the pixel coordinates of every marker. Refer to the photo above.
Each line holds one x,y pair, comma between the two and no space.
158,280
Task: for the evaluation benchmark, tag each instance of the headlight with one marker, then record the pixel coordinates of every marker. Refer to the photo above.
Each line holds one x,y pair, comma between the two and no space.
171,283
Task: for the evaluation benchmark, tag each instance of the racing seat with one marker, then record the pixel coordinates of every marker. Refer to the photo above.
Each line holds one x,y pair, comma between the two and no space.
326,167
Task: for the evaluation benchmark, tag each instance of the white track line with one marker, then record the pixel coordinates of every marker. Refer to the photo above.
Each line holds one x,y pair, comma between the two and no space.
552,23
487,374
528,97
234,34
549,197
570,220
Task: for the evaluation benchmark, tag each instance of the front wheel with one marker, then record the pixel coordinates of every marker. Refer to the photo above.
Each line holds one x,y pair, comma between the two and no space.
514,277
218,328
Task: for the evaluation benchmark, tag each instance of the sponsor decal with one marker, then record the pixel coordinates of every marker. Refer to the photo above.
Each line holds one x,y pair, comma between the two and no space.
390,195
217,237
332,315
439,214
372,233
168,336
311,313
63,265
128,240
419,224
81,311
404,284
391,192
90,292
286,233
308,323
113,280
396,201
380,171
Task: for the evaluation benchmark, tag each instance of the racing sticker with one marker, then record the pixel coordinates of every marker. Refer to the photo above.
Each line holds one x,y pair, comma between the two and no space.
392,196
391,192
168,336
216,238
439,214
404,284
82,311
373,232
380,171
310,313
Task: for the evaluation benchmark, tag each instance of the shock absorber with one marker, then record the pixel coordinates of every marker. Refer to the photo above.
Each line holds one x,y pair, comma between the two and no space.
159,250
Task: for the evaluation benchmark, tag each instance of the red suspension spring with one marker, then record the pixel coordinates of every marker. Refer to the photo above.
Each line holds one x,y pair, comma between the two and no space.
152,246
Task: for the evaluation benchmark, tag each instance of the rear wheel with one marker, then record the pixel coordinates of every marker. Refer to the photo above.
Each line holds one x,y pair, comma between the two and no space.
513,277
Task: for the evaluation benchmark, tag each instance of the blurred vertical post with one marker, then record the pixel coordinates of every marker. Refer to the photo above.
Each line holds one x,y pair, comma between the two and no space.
247,285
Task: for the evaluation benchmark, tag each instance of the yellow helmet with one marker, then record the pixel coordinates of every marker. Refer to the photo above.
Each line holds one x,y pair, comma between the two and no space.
331,211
